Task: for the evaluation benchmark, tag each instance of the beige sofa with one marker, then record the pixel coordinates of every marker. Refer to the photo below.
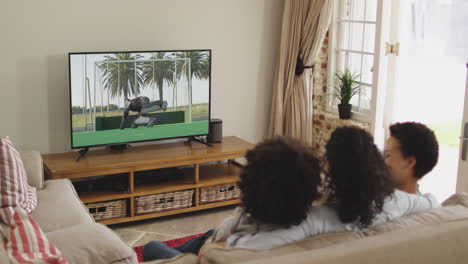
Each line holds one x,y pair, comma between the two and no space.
66,222
436,236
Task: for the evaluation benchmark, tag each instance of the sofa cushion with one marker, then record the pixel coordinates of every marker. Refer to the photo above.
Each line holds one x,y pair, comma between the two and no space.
455,208
214,254
33,165
181,259
435,216
59,206
14,188
92,243
25,242
430,244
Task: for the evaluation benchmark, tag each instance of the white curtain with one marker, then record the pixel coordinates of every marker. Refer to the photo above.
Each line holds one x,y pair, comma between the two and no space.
305,24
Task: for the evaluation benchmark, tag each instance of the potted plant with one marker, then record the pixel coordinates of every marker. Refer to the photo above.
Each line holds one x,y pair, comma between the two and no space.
346,86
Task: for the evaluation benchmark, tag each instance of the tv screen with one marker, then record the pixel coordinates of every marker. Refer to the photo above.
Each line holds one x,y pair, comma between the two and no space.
122,97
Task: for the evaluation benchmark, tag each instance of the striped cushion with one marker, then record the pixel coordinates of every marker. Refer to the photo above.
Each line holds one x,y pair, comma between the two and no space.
14,188
24,240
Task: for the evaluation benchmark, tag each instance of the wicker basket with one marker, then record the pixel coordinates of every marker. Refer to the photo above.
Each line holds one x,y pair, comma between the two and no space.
163,202
107,210
222,192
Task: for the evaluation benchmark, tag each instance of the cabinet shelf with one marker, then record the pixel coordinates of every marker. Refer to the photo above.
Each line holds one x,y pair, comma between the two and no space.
142,160
94,197
155,189
219,174
184,183
170,212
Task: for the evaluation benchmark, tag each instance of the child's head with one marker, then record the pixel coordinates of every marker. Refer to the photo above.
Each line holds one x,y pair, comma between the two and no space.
358,178
410,152
280,181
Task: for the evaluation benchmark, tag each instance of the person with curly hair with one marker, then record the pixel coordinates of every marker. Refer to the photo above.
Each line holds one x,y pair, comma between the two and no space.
361,188
278,185
361,193
410,153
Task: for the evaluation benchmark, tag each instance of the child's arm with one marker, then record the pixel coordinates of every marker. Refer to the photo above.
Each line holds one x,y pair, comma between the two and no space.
412,203
227,227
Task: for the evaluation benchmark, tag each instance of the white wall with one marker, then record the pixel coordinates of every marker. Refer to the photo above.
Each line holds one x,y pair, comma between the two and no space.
35,37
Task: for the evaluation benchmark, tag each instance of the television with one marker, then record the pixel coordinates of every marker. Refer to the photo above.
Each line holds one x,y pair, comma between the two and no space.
134,96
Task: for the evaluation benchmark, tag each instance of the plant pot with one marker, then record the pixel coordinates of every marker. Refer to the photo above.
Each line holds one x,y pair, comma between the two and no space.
344,111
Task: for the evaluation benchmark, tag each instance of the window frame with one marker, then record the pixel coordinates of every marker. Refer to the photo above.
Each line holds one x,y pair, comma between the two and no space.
335,33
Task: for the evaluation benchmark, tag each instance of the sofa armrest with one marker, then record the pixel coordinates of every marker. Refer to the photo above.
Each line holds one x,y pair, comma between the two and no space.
34,168
460,198
92,244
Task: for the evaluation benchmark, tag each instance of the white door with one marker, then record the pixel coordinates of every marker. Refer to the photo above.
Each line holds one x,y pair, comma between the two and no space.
462,179
426,79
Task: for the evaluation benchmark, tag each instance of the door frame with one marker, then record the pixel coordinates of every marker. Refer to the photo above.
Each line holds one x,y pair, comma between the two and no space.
378,126
462,182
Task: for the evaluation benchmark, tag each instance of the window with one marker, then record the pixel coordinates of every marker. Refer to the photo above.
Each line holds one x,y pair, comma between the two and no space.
352,41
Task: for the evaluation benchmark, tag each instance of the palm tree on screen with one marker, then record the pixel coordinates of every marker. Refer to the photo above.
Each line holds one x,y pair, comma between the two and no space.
199,64
160,71
122,75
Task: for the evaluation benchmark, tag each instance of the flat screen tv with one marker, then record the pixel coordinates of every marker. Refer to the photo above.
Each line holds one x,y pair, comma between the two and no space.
125,97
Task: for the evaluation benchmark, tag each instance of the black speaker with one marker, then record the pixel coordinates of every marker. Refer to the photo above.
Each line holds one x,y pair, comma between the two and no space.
216,131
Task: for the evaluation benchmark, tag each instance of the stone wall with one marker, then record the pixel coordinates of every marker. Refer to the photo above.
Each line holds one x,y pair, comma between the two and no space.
325,122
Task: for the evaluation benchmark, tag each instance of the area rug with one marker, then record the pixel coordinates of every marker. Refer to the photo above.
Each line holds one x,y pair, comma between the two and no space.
172,243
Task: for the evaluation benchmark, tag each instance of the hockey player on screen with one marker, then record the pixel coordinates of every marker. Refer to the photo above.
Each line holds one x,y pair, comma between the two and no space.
142,105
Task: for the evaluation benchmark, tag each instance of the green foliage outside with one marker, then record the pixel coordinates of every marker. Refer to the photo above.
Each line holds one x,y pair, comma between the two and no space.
447,133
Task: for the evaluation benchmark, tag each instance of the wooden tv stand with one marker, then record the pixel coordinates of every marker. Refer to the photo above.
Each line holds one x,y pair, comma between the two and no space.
199,172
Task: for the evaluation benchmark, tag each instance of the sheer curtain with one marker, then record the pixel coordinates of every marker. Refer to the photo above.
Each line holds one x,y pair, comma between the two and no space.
305,24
